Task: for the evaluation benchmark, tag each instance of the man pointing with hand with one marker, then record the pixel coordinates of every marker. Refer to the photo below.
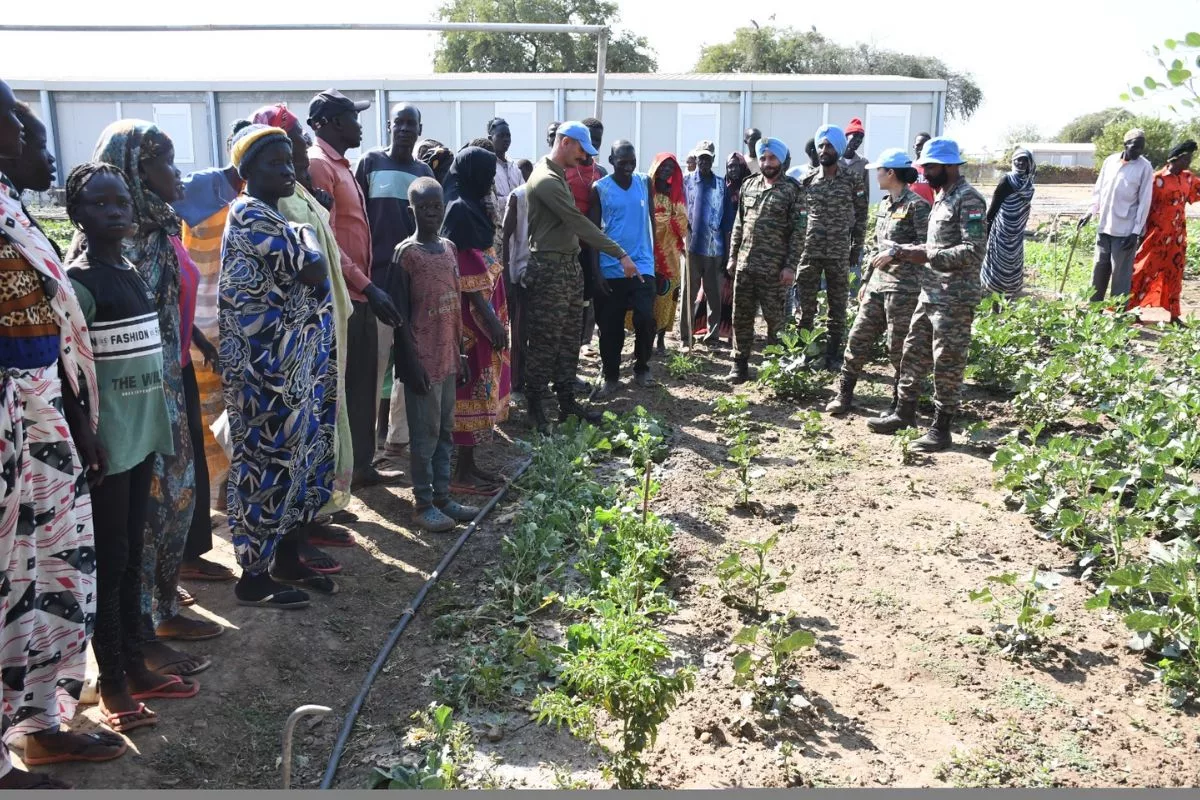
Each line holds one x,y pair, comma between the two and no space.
554,279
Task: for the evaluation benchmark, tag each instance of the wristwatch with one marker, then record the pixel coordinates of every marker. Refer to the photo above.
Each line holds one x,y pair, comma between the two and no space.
894,251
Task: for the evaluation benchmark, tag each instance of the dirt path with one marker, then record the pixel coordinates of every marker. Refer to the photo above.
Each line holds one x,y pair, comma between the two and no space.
907,691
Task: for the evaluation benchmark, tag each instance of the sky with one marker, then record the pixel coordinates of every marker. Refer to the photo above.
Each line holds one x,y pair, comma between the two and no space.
1039,66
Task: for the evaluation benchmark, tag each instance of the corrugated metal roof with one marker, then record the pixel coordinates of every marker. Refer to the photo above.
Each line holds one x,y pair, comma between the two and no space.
613,81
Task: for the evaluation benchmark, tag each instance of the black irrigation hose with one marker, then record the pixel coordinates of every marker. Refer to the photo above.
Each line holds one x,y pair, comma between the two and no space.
414,605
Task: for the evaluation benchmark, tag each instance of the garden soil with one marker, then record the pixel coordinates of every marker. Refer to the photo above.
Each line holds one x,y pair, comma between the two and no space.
905,685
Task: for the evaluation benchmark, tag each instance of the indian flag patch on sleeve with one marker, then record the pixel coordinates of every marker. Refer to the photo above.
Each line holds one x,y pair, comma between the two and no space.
975,223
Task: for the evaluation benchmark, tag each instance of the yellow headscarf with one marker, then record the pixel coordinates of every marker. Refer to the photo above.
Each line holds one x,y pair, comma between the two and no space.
250,140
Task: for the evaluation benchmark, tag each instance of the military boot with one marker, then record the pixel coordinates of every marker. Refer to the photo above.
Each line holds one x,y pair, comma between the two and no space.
845,396
568,407
891,409
905,416
740,373
937,438
537,413
834,355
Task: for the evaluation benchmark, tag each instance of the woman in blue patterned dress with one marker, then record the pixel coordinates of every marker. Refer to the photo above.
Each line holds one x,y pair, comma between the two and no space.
279,372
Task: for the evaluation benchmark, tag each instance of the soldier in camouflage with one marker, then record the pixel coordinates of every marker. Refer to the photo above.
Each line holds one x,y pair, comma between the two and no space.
889,296
940,334
554,282
836,203
767,242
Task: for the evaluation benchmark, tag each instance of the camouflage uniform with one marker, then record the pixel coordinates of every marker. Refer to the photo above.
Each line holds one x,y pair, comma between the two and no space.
554,298
891,293
768,237
837,221
940,334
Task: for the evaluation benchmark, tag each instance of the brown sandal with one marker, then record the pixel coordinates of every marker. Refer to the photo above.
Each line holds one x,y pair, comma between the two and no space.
141,717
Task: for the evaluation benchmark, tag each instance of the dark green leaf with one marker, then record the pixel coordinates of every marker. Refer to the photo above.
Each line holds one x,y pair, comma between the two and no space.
1100,600
742,662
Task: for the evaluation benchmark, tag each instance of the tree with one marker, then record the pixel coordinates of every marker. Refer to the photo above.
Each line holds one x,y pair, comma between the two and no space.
787,50
1017,135
1085,128
1160,138
537,52
1180,78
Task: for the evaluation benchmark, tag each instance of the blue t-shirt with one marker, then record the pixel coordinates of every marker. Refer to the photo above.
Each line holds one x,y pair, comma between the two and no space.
625,217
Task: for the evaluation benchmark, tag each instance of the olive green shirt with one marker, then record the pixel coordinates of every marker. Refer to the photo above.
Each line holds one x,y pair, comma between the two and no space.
555,224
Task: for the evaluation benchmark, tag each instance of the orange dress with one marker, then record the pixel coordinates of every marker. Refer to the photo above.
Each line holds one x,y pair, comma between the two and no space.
1158,267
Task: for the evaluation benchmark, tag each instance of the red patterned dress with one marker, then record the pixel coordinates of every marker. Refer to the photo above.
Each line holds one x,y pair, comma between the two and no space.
1158,267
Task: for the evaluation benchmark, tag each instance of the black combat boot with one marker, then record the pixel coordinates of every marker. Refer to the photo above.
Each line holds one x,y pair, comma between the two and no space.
937,438
834,355
740,373
537,413
905,416
845,396
891,409
568,407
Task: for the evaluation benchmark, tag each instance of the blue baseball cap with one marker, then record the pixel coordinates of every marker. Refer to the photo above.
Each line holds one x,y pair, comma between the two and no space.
892,158
940,150
579,132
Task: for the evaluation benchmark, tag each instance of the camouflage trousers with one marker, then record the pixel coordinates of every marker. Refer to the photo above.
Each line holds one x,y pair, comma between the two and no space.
939,338
553,318
879,311
753,290
837,289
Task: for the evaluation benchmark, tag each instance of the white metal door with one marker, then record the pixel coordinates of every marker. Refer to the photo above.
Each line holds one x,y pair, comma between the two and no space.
887,126
522,121
697,121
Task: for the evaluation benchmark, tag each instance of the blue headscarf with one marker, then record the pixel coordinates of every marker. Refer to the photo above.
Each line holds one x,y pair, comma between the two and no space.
774,146
834,135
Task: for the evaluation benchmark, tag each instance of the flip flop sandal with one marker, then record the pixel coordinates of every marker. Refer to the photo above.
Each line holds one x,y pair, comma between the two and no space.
169,668
199,632
184,597
79,753
315,565
470,488
321,584
162,692
327,537
284,601
145,718
208,571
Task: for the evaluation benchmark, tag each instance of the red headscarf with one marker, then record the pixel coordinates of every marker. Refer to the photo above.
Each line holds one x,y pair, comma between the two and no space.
277,116
676,181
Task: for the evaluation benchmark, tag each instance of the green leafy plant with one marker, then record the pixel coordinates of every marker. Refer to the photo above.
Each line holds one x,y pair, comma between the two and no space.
683,365
741,435
903,441
786,367
768,664
611,664
744,581
1033,614
438,750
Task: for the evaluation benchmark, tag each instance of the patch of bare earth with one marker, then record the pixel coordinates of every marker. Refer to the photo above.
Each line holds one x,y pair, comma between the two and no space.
906,687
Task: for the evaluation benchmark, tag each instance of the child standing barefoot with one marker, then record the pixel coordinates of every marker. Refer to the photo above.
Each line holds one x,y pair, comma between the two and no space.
423,283
123,325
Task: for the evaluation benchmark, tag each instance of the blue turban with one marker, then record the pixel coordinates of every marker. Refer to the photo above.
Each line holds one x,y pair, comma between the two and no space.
834,135
773,146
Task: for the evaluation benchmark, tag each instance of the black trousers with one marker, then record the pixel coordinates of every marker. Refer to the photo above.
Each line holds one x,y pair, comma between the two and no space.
199,540
119,516
362,398
625,294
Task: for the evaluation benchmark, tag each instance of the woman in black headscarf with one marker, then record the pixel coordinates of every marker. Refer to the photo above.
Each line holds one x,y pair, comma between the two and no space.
483,401
436,156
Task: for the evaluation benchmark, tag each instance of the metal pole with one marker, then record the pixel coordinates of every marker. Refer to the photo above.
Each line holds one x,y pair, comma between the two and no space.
483,27
52,134
211,110
601,61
